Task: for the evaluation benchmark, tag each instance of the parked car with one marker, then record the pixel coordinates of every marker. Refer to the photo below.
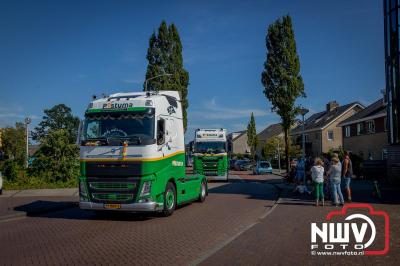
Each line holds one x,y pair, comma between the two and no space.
248,166
238,166
262,167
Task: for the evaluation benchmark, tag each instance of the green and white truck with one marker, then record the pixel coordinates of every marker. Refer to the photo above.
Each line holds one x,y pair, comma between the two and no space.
132,155
210,154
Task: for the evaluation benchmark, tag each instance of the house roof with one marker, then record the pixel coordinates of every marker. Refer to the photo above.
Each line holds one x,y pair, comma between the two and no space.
324,118
270,131
377,108
32,149
241,134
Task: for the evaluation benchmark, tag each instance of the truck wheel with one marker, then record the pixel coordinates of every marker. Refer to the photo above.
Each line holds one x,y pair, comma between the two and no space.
169,199
203,192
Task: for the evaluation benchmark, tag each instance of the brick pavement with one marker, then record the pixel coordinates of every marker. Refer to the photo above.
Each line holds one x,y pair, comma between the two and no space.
283,238
78,237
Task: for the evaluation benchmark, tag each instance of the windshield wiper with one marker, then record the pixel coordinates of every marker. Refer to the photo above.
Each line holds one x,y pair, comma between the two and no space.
130,138
103,139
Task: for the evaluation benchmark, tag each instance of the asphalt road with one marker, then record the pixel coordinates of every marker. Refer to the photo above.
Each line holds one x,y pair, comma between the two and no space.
192,234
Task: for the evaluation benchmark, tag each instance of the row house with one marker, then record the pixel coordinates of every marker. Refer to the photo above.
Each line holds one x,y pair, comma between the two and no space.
365,133
321,129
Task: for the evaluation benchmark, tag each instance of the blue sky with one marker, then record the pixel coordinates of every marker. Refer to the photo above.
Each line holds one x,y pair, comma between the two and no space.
65,51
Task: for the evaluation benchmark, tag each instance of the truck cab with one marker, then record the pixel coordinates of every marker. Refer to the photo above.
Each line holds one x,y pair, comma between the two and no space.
132,154
210,154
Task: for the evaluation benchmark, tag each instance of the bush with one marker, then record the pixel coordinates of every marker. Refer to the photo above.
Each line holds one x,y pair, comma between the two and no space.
57,160
11,170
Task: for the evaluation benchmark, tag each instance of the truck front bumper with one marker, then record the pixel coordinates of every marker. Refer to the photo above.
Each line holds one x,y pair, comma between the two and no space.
133,207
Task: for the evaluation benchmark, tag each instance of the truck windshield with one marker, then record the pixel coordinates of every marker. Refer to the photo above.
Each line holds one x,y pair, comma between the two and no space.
209,147
130,127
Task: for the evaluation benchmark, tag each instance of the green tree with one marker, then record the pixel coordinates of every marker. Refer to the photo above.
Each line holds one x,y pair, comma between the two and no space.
252,140
14,143
57,158
58,117
281,77
165,57
14,149
277,143
295,151
272,146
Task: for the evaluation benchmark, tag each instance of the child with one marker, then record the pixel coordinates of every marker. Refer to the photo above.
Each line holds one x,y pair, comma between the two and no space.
301,188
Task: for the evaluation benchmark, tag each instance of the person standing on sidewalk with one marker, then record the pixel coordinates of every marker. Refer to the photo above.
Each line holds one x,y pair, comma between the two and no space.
300,168
327,184
335,175
347,174
317,175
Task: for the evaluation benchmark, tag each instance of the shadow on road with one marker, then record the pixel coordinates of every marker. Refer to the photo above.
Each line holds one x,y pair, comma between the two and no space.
362,192
252,189
70,210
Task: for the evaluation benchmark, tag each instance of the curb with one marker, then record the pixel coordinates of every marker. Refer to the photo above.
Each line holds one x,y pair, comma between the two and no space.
35,212
279,174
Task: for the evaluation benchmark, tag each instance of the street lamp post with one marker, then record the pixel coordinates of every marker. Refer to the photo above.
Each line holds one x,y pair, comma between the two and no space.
147,80
303,111
27,122
279,158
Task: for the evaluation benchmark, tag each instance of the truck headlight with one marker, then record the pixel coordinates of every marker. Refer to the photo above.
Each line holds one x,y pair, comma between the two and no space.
146,189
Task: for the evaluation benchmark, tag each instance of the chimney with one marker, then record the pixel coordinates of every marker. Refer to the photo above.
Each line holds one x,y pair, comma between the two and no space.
332,105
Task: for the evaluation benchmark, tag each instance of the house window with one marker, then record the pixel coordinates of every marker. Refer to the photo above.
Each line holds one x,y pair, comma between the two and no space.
371,126
317,135
306,138
347,131
360,128
330,135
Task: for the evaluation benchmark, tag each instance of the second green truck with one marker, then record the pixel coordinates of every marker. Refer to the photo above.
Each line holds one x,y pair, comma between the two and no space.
210,154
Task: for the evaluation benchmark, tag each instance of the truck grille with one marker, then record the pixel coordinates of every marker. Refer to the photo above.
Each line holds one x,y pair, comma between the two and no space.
112,197
113,189
210,173
112,185
210,168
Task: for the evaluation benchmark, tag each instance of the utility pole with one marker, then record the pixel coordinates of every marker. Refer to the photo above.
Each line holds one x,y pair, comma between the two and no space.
27,122
303,112
279,158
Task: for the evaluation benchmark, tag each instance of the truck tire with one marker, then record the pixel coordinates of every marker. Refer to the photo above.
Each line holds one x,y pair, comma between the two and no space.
169,199
203,192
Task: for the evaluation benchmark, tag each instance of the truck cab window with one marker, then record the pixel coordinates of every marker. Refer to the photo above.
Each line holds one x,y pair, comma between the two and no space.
160,131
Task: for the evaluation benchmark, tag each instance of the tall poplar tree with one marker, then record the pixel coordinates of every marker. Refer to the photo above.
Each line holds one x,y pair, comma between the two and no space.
252,136
165,57
281,77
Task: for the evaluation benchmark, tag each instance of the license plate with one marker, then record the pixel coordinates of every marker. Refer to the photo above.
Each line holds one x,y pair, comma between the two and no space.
112,206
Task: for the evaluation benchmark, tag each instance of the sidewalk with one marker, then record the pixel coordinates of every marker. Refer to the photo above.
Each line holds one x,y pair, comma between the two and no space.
283,237
21,203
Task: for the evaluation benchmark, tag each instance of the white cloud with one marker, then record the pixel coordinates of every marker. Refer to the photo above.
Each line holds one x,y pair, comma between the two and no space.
18,114
211,110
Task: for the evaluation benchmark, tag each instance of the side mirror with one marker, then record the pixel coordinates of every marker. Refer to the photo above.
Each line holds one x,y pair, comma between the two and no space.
160,131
